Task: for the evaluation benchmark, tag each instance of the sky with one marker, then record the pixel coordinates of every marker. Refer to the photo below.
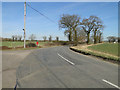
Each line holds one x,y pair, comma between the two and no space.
13,17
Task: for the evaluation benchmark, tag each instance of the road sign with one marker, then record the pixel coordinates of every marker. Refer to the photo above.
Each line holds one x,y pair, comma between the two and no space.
37,43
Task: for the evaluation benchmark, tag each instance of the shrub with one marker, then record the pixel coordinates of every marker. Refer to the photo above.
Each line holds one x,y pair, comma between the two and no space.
4,48
49,44
31,45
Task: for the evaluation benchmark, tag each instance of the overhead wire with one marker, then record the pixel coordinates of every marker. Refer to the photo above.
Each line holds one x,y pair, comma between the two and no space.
40,13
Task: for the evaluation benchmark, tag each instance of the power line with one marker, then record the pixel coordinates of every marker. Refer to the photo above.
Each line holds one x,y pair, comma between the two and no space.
40,13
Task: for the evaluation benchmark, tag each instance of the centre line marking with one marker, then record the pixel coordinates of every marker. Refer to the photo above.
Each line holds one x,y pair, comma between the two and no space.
66,59
110,83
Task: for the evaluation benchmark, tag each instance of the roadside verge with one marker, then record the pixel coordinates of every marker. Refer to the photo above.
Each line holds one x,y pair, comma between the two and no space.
104,56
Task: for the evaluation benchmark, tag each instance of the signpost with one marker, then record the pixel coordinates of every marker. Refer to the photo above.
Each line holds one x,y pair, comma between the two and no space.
37,43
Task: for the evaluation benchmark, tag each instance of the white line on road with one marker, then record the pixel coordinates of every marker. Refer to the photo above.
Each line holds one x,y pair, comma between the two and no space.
66,59
110,83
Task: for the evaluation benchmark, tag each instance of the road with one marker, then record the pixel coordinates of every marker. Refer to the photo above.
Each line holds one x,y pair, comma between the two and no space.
59,67
11,60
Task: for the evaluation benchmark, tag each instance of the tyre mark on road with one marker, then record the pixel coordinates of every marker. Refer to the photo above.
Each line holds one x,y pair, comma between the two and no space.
52,72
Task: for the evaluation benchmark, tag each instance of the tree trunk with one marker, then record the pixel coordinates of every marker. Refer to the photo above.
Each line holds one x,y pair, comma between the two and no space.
13,39
70,36
95,38
76,41
100,38
88,37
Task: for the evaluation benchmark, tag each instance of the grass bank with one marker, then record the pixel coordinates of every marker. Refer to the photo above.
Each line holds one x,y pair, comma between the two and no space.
107,51
109,48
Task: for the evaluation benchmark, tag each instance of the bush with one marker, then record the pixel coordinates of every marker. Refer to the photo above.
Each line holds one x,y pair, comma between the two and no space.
49,44
31,45
4,48
66,42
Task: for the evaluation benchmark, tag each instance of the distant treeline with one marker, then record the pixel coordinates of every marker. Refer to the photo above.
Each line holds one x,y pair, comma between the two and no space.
32,37
109,39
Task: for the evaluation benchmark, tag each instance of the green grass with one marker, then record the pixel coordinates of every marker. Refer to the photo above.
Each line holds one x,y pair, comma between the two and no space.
109,48
18,43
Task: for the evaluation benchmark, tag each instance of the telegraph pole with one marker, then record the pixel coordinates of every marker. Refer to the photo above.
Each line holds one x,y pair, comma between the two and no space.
24,23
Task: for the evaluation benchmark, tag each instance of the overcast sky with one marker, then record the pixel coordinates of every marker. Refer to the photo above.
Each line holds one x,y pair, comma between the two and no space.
13,17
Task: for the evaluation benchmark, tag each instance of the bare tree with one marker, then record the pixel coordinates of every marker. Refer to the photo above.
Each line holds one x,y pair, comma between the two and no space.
19,37
44,38
16,37
68,33
32,37
97,27
111,39
57,38
50,38
99,36
13,37
76,22
69,23
81,35
88,25
65,22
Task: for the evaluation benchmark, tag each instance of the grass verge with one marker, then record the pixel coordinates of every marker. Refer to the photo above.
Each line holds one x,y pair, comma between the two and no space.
105,56
109,48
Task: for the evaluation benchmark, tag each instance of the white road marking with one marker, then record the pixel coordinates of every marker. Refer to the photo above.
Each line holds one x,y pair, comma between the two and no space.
110,83
66,59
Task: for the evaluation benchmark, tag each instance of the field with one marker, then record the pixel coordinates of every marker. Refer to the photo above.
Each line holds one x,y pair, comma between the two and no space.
109,48
107,51
18,43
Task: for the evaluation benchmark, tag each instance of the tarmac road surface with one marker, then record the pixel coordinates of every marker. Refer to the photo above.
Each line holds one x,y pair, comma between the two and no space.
59,67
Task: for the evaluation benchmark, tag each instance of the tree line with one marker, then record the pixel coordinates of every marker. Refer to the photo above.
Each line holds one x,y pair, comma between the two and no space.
113,39
32,37
16,37
50,38
76,28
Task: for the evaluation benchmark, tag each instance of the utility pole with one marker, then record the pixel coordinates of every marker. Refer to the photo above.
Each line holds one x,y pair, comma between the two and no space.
24,23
